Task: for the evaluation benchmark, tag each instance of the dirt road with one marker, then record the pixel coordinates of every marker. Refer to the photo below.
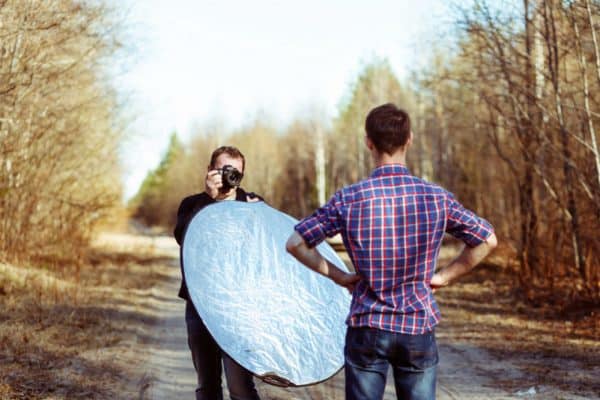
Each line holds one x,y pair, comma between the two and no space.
483,350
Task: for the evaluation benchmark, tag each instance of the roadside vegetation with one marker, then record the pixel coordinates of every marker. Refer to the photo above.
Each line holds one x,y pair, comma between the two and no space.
75,332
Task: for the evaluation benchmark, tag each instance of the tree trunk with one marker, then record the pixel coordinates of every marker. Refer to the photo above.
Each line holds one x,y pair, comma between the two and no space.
320,165
597,58
569,175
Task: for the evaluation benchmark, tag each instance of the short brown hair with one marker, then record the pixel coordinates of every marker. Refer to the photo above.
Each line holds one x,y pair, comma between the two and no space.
231,151
388,127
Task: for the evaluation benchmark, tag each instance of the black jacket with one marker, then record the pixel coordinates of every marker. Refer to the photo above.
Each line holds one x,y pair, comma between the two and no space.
187,210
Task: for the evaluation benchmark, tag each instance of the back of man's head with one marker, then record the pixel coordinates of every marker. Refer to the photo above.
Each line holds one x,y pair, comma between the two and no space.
388,128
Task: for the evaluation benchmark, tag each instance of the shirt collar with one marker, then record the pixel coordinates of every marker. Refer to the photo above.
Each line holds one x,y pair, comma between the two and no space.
390,169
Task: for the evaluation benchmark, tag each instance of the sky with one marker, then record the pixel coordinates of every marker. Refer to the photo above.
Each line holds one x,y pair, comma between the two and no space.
193,62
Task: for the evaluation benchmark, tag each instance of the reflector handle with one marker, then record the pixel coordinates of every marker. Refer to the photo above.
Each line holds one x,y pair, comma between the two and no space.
275,380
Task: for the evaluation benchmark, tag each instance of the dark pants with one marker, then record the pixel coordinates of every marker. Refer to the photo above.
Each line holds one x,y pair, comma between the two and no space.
207,357
369,352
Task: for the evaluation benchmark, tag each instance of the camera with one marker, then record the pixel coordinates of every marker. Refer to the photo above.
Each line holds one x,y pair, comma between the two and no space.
230,177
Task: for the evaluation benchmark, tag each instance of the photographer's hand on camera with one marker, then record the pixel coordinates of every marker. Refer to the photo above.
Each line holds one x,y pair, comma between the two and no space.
213,185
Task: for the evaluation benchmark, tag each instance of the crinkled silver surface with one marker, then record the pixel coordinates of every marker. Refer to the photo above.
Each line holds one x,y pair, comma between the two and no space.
274,316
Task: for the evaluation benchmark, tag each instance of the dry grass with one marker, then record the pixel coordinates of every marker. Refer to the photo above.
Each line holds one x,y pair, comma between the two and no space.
85,332
556,347
67,332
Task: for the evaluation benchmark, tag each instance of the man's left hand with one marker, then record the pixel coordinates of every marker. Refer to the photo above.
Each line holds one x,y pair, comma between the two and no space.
438,281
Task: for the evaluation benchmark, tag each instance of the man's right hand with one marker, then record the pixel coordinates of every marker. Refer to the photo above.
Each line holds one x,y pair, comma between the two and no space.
213,183
348,280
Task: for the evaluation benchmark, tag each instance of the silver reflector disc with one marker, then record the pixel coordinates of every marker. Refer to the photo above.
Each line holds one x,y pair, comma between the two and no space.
275,317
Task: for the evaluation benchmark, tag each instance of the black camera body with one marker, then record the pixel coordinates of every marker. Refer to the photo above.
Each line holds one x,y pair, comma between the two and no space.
230,177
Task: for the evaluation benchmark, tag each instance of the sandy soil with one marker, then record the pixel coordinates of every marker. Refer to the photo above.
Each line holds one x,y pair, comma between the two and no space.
114,329
487,349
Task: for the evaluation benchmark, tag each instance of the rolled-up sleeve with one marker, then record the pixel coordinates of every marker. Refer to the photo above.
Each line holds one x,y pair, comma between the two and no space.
466,225
324,222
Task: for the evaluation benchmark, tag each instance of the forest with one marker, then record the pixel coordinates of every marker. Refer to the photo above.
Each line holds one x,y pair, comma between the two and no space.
507,121
59,128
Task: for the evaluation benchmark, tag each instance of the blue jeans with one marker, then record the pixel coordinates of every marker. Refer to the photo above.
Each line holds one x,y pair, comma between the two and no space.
369,352
207,356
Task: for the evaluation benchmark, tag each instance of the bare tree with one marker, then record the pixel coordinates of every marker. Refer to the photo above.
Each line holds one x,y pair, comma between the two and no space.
59,132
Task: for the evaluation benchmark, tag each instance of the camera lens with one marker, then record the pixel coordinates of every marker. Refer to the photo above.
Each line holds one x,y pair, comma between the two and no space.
231,177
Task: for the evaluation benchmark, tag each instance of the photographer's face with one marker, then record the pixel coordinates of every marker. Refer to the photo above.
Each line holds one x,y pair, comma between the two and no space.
225,159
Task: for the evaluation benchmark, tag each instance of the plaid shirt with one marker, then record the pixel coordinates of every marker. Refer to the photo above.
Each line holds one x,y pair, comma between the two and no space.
392,225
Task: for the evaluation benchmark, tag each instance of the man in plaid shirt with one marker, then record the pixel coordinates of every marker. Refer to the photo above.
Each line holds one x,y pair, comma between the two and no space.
392,224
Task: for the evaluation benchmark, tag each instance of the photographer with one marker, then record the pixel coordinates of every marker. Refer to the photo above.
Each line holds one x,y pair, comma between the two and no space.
223,178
